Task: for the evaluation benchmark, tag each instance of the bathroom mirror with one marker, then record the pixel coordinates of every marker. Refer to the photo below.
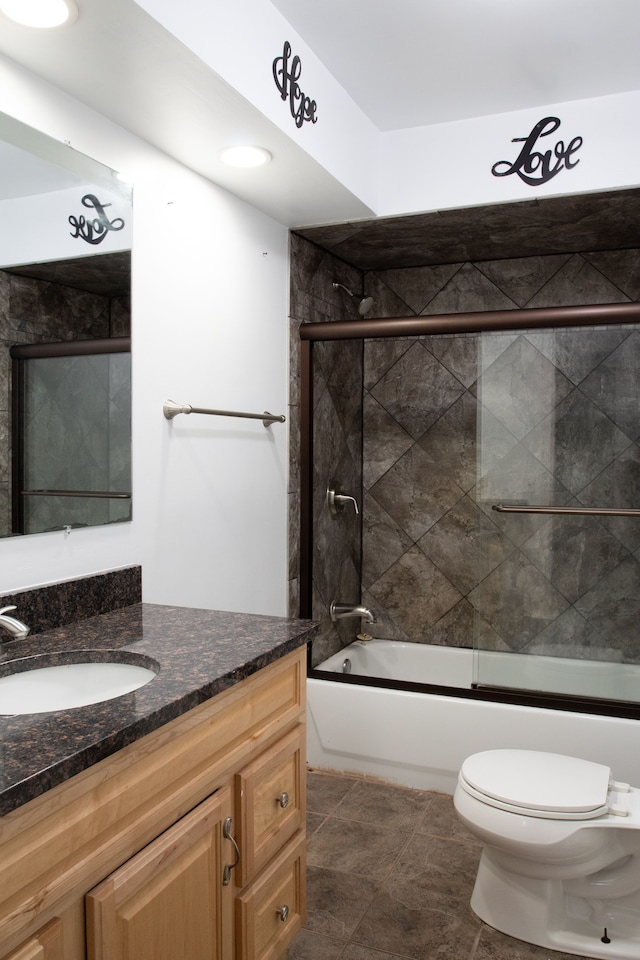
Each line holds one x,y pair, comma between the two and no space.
65,389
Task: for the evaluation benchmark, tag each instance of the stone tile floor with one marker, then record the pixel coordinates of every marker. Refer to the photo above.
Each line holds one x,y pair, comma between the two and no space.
390,871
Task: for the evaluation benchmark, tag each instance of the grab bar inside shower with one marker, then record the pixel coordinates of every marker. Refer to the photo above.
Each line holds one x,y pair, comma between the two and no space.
578,511
172,409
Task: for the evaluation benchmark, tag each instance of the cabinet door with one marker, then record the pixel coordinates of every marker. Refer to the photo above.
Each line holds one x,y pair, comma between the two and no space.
169,901
271,791
46,944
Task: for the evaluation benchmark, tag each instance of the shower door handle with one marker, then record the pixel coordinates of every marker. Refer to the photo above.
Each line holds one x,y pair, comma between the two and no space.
560,511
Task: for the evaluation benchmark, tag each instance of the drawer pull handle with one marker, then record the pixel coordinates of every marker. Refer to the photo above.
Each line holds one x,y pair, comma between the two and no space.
283,913
226,833
283,800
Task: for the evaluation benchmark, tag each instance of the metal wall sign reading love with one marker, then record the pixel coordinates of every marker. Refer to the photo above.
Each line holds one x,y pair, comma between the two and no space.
286,73
534,165
94,229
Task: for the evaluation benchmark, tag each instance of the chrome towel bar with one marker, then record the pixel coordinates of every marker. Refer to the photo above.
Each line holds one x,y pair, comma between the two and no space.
579,511
172,409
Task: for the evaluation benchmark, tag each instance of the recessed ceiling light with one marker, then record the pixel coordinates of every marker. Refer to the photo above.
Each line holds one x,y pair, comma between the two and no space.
40,13
245,156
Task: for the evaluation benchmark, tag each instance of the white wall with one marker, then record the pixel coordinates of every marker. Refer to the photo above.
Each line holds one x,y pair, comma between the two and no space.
209,328
448,165
239,41
414,170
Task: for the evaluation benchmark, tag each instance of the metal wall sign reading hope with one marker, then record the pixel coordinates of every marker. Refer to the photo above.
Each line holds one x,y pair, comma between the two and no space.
286,75
534,166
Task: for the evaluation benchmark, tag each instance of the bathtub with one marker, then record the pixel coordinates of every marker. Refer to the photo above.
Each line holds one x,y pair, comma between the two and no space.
420,739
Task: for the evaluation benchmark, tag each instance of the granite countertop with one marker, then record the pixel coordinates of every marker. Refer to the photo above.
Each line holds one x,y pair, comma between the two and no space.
200,653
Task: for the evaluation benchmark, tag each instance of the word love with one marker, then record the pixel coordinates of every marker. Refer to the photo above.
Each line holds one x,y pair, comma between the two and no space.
533,166
286,75
94,231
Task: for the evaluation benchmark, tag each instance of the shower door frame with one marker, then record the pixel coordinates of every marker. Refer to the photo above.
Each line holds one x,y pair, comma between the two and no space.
458,323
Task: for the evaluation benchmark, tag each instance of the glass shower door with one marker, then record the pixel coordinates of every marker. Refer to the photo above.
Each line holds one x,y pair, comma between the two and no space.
558,478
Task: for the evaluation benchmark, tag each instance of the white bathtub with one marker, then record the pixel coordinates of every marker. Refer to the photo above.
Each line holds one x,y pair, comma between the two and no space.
421,739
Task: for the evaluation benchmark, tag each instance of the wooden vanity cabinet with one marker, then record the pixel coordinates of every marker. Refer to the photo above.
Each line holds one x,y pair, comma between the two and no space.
147,841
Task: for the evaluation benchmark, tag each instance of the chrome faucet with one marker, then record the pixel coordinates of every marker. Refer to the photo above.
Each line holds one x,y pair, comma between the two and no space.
338,501
340,611
14,627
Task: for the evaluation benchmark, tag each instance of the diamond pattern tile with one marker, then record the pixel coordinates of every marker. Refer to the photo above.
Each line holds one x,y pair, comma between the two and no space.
577,356
576,442
385,441
415,492
614,386
415,592
466,545
612,608
451,443
522,387
401,391
518,601
453,424
575,553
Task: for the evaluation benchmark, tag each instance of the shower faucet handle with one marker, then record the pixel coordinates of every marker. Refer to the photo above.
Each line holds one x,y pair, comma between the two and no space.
338,501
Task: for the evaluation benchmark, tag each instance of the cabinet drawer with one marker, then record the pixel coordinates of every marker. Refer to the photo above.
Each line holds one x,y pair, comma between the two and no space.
46,944
273,909
271,796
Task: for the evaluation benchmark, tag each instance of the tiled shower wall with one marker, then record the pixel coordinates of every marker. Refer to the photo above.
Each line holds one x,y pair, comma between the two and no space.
337,448
455,424
37,311
422,572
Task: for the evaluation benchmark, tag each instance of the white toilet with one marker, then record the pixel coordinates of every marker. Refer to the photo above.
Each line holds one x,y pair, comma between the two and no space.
560,866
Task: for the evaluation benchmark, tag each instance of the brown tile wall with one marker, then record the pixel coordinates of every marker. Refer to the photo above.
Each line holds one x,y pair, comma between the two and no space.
337,457
558,415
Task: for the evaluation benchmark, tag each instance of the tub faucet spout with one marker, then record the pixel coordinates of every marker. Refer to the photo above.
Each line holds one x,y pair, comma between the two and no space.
340,611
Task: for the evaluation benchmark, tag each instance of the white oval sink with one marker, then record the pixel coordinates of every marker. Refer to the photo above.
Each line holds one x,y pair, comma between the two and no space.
69,685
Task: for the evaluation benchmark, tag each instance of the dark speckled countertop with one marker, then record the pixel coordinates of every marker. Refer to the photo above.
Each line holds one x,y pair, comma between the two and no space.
200,653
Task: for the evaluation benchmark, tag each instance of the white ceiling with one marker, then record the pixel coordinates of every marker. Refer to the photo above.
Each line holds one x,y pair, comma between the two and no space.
25,174
121,63
410,63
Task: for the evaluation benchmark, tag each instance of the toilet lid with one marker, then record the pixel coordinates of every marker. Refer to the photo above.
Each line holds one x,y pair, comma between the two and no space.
548,783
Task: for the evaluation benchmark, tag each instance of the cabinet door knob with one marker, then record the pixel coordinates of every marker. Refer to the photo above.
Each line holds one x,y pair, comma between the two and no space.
283,800
283,913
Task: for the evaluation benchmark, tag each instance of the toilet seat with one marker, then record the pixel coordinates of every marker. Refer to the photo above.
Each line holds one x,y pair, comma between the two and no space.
545,785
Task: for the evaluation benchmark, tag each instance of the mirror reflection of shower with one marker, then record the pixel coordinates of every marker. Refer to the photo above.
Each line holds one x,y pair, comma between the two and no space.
64,276
71,438
363,304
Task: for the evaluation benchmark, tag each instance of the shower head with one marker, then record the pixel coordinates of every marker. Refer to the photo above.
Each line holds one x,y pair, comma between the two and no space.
363,304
